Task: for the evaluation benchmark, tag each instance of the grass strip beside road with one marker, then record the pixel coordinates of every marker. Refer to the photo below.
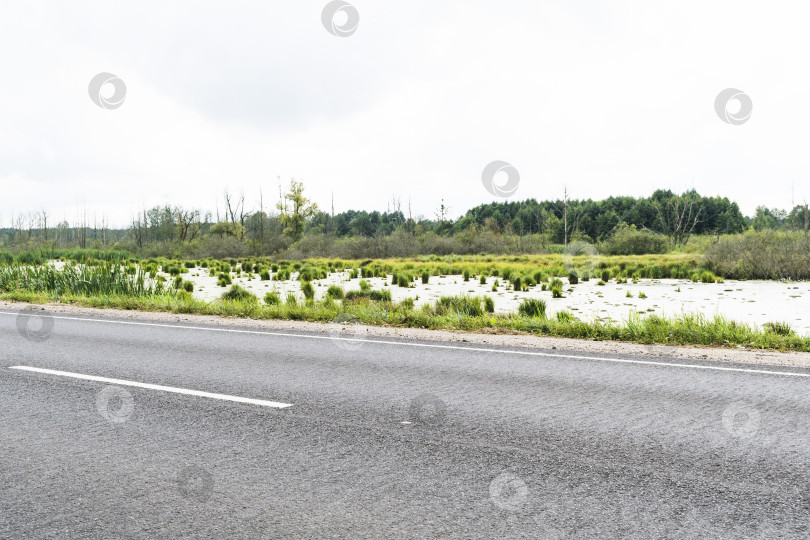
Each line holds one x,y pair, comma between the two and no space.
682,330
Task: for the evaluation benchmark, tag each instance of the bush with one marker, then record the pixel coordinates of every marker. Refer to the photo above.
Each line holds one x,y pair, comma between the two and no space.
188,286
403,281
291,301
466,274
573,278
761,255
264,275
482,280
517,283
425,277
335,291
605,275
489,305
272,298
406,304
364,286
238,294
532,307
178,282
628,240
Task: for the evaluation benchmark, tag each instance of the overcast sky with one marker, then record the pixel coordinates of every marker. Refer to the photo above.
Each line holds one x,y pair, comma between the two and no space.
606,98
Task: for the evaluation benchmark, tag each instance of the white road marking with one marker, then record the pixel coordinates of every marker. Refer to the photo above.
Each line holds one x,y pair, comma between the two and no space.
122,382
435,346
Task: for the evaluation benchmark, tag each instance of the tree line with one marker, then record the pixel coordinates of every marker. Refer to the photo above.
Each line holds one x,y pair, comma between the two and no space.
296,220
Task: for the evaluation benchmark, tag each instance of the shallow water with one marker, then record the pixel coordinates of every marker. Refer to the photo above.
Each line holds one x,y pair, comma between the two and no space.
753,302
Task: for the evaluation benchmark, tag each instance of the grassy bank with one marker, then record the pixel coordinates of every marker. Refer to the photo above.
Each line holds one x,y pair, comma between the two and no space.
684,330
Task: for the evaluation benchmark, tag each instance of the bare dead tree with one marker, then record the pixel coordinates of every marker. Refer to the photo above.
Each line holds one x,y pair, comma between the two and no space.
261,215
43,222
679,216
188,224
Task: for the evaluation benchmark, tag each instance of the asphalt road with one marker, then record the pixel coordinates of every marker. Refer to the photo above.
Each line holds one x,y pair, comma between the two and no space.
369,438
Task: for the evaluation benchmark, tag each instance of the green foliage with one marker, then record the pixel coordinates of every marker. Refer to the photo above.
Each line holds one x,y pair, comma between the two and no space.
532,307
779,328
489,305
308,290
762,255
238,294
466,274
103,279
469,306
707,277
272,298
564,316
425,277
335,292
383,295
264,275
188,286
628,240
295,209
573,278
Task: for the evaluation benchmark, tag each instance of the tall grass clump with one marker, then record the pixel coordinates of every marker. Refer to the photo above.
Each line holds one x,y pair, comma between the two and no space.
532,307
106,278
463,305
308,290
238,294
335,292
779,328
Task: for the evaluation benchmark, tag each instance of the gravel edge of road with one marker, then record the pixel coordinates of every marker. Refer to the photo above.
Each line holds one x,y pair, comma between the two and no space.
771,358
